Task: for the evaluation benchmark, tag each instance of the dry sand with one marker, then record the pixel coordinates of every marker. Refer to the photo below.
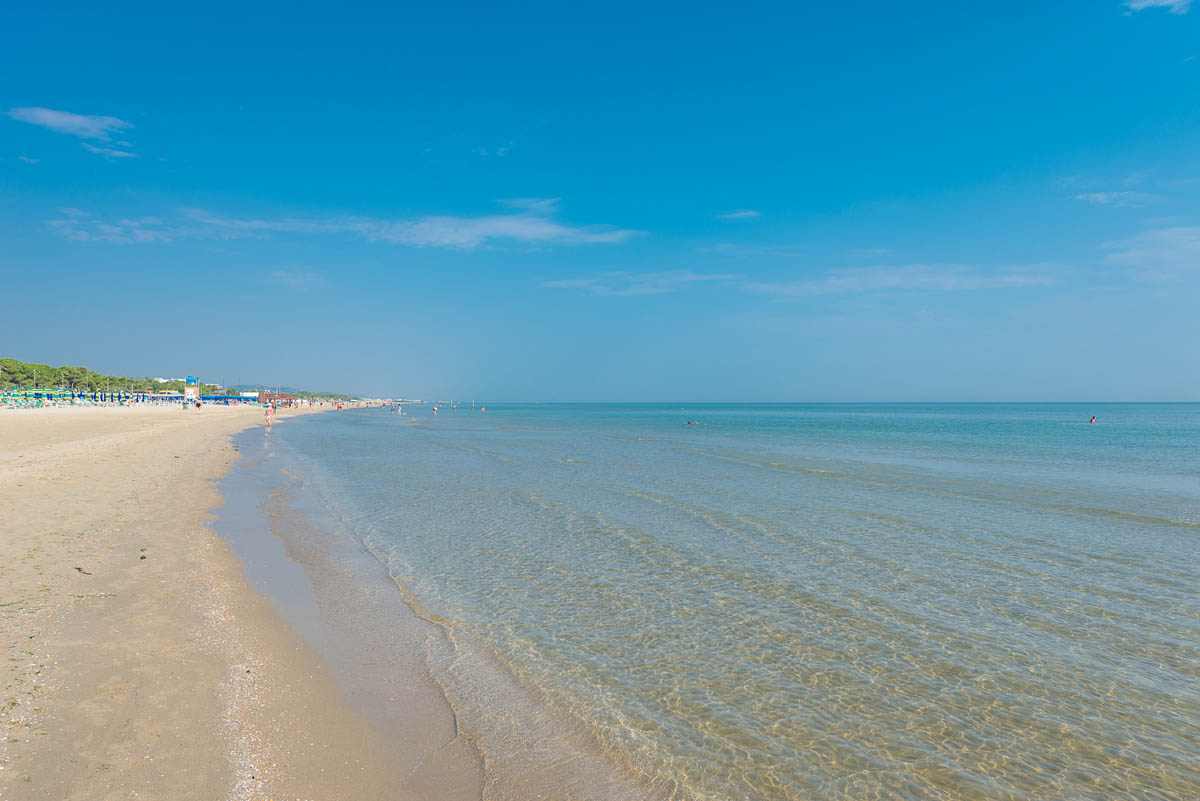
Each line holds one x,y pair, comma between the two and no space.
138,663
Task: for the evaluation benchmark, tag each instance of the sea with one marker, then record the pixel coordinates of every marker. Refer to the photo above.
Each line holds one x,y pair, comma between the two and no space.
764,601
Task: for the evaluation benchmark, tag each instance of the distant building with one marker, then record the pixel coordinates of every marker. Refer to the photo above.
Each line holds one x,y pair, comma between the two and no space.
278,398
253,394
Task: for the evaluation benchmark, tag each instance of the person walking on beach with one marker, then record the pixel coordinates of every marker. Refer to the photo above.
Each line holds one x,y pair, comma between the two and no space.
269,413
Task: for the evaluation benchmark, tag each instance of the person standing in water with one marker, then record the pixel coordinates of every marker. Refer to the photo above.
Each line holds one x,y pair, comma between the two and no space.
269,414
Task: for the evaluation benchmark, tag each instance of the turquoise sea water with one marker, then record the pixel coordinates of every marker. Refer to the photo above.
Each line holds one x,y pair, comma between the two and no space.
806,602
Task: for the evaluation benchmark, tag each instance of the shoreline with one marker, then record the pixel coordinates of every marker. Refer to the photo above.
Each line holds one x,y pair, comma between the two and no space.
141,663
455,718
331,594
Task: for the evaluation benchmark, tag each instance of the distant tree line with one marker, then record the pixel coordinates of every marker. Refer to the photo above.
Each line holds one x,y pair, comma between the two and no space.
26,375
322,396
16,374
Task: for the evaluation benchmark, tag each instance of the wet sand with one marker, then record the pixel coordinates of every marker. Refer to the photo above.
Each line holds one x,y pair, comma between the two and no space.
138,662
454,719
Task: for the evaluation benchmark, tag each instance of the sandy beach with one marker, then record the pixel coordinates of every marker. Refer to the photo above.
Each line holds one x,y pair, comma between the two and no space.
138,661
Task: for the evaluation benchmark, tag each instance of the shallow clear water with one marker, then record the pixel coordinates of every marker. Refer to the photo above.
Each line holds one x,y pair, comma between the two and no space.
808,602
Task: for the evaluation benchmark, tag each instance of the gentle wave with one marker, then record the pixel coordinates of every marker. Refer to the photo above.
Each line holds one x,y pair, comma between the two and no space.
801,602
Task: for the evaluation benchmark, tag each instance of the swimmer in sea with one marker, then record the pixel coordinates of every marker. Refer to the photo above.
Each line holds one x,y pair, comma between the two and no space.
1093,420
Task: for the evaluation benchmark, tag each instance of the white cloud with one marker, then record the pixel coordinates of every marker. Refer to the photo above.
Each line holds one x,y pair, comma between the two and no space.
1162,254
499,152
1123,198
295,280
1136,177
463,233
739,214
921,277
204,223
537,205
108,152
28,160
79,226
531,225
616,284
467,233
1173,6
734,249
82,125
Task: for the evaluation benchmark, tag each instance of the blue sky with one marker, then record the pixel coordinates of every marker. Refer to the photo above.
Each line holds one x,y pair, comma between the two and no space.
873,201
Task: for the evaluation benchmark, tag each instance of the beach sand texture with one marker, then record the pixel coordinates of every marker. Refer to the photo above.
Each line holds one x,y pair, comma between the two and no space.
138,663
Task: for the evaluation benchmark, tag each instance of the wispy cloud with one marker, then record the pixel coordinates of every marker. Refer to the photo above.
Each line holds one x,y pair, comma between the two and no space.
535,205
462,233
295,280
85,126
911,277
531,224
82,125
470,232
79,226
499,152
109,152
1173,6
908,277
739,214
1136,177
617,284
735,249
1123,198
1162,254
202,223
28,160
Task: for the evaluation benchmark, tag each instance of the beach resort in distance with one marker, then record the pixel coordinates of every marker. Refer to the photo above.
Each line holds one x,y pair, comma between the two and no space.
139,661
600,401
